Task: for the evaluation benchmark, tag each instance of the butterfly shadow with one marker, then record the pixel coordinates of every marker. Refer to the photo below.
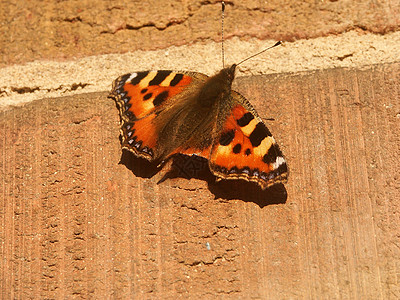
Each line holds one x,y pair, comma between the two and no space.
139,166
196,167
249,192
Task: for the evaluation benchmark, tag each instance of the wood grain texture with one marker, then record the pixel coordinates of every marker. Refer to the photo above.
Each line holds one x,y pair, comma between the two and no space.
76,223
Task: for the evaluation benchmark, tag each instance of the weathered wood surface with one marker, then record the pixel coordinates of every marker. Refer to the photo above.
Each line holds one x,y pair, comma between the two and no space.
76,223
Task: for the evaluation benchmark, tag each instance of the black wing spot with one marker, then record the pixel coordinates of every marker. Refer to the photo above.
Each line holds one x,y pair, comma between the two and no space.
160,98
147,96
176,80
245,119
272,154
160,77
259,133
237,148
139,77
247,152
143,91
227,137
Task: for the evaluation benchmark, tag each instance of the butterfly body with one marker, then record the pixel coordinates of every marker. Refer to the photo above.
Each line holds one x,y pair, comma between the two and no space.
164,113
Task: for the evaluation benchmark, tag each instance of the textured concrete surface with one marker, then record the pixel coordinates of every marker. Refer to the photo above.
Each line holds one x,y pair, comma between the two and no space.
63,29
81,219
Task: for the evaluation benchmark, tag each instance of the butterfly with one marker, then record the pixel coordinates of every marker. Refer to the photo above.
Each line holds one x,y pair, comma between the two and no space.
164,113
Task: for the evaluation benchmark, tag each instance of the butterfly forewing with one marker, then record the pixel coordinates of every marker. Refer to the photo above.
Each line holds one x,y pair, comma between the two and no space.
139,95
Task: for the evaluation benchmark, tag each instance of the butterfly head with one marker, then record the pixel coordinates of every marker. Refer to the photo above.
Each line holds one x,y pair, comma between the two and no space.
229,72
226,76
223,80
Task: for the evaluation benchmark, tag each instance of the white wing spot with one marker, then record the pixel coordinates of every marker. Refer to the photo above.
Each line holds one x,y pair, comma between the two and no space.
279,161
133,75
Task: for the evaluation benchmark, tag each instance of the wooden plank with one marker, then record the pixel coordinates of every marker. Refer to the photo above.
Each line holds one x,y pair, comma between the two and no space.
76,223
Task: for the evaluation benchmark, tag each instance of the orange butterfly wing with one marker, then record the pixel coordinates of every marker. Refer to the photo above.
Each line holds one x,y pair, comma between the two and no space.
246,149
139,96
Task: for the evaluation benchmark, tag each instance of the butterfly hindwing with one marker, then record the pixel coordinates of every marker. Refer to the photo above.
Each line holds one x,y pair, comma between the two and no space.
246,149
139,95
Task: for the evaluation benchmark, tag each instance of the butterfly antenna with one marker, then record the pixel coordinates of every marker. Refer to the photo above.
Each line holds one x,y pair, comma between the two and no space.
277,44
222,34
